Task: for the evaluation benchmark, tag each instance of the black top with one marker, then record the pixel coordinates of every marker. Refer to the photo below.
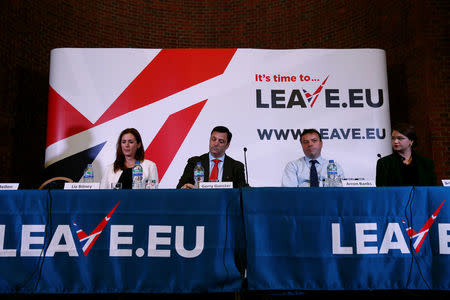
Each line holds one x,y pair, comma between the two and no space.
126,178
391,171
409,173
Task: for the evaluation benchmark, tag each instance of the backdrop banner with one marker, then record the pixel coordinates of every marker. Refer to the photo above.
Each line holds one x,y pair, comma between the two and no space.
165,241
350,238
174,97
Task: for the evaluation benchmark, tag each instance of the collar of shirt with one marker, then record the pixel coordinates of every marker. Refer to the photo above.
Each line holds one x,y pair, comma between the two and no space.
211,157
320,160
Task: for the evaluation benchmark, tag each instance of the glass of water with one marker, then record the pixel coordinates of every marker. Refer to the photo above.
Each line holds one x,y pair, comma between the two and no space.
151,184
116,186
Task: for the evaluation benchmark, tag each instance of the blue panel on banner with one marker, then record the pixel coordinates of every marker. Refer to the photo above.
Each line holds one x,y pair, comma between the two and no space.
347,238
73,166
162,241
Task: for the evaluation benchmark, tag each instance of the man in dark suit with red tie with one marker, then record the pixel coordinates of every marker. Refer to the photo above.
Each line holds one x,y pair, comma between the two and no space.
218,166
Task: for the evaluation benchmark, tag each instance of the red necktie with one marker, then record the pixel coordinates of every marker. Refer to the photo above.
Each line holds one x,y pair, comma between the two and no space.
215,170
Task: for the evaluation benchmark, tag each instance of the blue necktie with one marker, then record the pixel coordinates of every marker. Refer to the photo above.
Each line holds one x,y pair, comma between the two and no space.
313,178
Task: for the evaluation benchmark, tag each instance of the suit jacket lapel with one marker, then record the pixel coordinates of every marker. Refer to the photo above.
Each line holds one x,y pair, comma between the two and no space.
227,174
205,162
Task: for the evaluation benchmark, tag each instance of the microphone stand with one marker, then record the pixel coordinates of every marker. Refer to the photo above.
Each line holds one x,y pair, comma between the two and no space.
246,168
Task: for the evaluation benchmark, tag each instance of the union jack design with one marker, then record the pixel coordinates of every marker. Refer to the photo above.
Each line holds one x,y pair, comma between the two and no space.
421,235
171,71
87,241
310,97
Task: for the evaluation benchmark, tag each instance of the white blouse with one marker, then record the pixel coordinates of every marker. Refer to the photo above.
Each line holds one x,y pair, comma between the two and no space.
109,177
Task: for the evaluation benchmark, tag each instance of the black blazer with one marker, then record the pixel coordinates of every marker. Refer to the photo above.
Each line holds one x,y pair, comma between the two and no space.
233,170
389,170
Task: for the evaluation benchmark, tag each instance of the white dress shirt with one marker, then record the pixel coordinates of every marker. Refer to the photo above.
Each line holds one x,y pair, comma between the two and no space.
149,172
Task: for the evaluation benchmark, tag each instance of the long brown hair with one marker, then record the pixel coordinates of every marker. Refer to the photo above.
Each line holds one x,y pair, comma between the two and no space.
119,163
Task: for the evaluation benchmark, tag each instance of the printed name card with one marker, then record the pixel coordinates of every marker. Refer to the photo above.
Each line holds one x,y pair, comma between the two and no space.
81,186
446,182
216,185
9,186
358,183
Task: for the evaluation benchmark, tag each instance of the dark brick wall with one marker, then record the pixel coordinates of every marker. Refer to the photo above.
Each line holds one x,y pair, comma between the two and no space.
415,35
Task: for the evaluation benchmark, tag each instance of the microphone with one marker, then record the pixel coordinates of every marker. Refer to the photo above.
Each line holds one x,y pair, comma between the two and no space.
246,169
379,155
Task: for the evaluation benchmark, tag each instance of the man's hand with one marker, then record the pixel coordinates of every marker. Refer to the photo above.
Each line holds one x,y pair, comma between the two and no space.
188,186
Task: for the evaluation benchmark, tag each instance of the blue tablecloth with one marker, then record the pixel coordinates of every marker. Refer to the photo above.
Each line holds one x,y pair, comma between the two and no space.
162,241
192,241
347,238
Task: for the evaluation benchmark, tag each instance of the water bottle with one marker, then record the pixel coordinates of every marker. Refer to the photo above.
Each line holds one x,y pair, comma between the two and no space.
88,175
137,176
199,175
332,173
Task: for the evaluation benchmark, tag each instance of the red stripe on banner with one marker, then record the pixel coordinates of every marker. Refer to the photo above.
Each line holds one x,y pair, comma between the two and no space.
170,72
81,235
168,141
63,119
319,89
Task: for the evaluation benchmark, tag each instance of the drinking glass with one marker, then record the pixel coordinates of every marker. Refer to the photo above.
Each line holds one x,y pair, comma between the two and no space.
116,186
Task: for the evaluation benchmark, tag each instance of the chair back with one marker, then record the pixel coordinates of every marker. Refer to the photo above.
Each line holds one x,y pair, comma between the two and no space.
55,183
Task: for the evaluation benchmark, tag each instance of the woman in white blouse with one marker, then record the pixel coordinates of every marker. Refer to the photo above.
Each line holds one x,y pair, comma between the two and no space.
129,150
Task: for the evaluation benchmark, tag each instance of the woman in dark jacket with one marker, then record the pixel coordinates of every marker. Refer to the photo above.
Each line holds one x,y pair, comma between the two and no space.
405,167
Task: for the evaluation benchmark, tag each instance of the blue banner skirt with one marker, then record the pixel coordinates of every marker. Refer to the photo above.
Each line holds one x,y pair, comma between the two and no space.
347,238
160,241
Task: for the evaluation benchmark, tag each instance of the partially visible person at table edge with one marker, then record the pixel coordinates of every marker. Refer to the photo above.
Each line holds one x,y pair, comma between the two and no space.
405,167
129,150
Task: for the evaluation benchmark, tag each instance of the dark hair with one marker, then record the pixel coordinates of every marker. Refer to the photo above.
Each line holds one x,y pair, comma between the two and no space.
407,130
119,163
223,129
310,130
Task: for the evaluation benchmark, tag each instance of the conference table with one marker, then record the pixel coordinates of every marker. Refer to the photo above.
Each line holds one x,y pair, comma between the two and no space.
225,240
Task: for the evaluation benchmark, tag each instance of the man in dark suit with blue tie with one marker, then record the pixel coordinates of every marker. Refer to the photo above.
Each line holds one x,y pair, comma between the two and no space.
218,166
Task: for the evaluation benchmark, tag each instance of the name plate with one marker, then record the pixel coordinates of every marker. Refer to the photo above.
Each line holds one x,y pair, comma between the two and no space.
216,185
446,182
81,186
358,183
9,186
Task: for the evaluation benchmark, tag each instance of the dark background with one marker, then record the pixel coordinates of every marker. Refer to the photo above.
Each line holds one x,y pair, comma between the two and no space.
414,34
